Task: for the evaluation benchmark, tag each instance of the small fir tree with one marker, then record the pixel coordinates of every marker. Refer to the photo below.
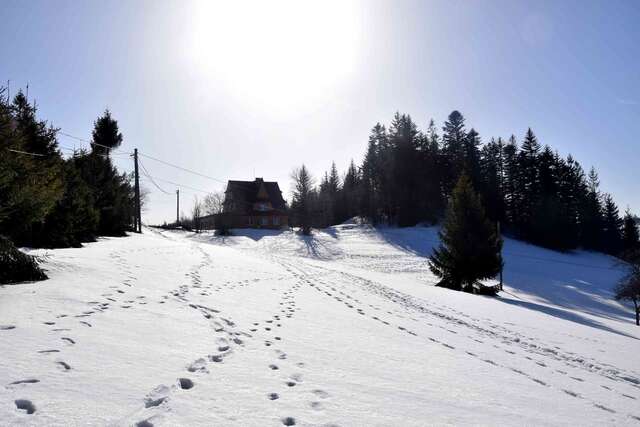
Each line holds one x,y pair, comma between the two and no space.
470,248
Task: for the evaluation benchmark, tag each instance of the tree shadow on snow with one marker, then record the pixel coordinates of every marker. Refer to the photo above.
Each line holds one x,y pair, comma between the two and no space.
581,281
564,314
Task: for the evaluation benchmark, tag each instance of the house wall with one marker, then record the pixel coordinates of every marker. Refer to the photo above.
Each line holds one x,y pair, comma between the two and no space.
271,221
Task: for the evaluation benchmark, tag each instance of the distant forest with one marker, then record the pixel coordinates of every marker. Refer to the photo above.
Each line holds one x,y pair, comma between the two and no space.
407,176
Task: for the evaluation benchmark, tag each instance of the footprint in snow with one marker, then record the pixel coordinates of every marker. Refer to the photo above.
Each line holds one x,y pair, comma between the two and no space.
25,405
68,340
27,381
320,393
6,327
65,366
199,365
289,421
157,396
185,383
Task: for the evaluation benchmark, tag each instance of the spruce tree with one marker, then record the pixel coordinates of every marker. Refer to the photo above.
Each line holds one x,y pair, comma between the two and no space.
630,235
612,231
453,149
403,136
301,205
106,135
528,184
470,248
492,188
591,220
512,193
472,157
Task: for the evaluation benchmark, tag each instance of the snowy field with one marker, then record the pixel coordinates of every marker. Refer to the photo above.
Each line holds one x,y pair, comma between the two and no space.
340,329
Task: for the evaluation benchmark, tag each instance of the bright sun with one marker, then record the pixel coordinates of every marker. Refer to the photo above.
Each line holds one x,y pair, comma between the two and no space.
276,53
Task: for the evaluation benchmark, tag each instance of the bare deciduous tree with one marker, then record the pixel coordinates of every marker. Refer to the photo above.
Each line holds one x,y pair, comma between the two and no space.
213,203
628,289
196,215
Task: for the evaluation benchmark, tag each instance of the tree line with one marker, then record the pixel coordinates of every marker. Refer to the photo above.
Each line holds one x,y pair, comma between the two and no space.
49,201
407,177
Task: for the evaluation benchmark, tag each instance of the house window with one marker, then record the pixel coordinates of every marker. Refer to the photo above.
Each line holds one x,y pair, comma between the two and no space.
264,220
276,220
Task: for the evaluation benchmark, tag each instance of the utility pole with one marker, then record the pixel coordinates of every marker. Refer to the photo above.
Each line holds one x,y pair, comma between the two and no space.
138,224
177,208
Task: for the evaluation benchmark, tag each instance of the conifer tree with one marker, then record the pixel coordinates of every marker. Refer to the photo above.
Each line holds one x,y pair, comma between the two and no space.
470,248
512,193
106,134
453,149
34,183
472,157
612,231
371,175
403,134
528,183
591,221
351,192
492,174
431,178
630,235
301,205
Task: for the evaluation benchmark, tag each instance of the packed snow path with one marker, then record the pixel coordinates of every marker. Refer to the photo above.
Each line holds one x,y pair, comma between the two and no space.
342,328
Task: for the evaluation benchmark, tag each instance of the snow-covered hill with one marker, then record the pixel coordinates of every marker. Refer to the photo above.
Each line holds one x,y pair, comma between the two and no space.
341,328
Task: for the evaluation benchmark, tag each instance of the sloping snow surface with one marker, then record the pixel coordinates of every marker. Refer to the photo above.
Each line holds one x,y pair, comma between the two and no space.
341,328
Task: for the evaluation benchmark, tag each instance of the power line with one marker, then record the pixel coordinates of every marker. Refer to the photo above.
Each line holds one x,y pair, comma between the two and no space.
146,173
75,150
183,169
176,184
91,142
25,152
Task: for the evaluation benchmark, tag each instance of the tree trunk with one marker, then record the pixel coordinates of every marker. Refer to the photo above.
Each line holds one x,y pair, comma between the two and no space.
635,303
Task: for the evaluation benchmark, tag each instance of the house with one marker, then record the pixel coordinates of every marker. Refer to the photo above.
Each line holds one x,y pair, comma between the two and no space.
253,204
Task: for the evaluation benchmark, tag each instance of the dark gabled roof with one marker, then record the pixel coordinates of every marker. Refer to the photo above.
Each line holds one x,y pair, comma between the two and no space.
243,194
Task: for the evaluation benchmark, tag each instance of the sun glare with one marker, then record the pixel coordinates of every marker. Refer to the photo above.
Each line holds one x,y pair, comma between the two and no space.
278,54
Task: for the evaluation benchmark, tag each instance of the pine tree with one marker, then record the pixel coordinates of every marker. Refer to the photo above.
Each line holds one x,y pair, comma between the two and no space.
512,193
470,248
430,200
301,205
453,148
74,219
591,220
612,232
351,192
472,157
630,235
106,135
33,184
492,173
528,184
